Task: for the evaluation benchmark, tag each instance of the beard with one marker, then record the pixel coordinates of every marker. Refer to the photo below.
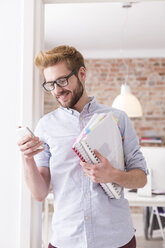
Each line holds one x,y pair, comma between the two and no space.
76,95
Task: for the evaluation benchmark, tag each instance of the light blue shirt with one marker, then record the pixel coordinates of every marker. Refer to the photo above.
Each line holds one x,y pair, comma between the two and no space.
84,216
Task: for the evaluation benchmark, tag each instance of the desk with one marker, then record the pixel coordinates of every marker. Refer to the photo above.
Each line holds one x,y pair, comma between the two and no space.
143,201
153,201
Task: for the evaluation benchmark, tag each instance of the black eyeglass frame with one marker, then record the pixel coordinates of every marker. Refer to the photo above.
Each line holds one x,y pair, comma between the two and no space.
56,81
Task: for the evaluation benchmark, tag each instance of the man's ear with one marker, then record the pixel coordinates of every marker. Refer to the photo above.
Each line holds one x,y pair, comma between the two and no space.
82,74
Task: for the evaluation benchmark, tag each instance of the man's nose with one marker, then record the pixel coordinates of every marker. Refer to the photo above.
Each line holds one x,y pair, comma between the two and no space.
57,89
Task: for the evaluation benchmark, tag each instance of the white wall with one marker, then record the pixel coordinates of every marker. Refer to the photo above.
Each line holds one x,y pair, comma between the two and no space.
21,102
10,97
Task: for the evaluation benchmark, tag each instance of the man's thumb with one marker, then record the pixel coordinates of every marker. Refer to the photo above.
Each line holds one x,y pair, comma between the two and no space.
98,155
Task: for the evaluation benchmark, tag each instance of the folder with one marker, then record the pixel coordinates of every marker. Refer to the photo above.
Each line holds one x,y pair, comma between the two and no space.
102,133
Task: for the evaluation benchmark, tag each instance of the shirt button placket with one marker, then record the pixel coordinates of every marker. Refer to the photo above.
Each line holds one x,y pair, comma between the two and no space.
86,195
87,211
86,198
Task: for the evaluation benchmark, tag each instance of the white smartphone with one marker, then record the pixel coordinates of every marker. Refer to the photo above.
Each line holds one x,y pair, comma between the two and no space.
23,131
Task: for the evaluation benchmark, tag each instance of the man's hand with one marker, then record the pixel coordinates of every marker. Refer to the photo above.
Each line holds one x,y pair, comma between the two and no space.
37,178
102,172
29,145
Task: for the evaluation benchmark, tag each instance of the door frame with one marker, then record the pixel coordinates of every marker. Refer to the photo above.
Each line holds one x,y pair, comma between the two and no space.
32,41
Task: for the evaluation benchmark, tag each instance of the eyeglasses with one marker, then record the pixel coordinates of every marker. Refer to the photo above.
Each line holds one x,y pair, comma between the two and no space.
61,82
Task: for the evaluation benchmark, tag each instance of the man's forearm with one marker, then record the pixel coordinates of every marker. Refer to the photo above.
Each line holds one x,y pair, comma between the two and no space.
132,179
36,183
104,172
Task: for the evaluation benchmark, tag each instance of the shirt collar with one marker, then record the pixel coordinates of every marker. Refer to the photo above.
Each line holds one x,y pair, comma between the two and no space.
89,107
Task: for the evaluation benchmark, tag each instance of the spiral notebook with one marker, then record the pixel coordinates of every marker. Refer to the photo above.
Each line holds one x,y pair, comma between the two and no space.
102,133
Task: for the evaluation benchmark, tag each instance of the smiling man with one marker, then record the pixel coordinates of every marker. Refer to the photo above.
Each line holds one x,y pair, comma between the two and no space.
68,95
84,216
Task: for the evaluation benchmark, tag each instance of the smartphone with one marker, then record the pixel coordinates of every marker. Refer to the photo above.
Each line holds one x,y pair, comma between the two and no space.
23,131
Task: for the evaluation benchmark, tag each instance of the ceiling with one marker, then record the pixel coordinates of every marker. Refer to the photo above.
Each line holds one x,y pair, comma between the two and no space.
107,30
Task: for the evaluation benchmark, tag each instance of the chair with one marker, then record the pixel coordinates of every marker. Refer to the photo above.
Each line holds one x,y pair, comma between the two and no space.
154,219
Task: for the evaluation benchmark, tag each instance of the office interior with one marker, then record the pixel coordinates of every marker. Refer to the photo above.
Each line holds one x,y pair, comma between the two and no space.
127,59
127,48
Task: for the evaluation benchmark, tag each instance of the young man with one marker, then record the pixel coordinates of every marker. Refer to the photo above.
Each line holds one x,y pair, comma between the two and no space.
84,216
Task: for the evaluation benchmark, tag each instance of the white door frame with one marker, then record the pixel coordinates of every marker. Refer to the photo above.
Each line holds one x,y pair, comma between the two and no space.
32,31
32,104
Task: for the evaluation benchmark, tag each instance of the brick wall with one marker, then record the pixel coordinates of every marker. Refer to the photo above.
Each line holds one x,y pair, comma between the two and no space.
147,82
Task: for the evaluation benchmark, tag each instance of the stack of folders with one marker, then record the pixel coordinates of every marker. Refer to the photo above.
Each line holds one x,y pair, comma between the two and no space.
102,133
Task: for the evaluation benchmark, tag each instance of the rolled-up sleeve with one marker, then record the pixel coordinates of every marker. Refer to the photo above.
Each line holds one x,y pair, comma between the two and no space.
133,157
42,158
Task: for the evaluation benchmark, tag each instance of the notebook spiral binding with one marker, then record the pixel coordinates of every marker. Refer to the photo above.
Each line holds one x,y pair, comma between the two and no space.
110,188
88,156
92,152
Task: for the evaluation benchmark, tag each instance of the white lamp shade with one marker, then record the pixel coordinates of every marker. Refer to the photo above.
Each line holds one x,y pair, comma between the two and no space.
128,102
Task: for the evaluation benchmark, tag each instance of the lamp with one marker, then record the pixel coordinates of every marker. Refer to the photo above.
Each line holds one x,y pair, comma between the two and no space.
128,102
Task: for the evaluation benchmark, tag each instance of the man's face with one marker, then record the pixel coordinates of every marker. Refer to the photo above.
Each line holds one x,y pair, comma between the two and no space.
69,95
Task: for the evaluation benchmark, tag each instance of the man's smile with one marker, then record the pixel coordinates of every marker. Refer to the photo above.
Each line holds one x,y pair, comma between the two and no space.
63,95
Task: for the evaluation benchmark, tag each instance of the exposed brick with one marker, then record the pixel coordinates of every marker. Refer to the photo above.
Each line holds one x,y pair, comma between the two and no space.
162,73
141,78
147,82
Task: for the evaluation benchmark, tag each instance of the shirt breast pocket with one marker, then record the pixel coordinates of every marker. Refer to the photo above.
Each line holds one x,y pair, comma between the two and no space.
61,148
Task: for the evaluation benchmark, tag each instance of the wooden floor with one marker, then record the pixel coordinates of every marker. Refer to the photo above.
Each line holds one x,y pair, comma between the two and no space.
155,242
